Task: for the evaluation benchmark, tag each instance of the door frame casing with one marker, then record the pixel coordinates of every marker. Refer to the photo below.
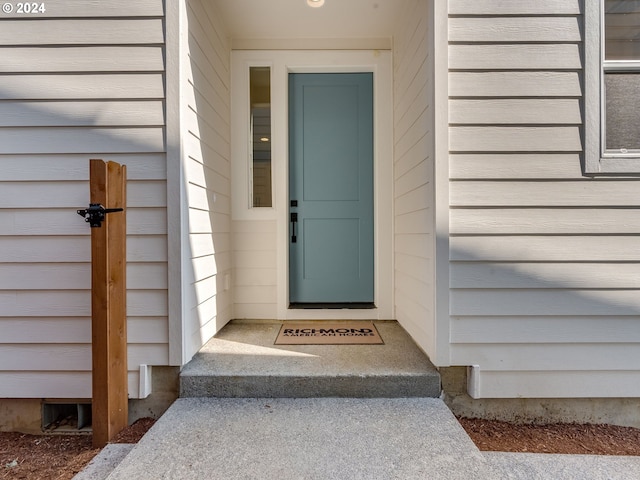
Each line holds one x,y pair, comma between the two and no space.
378,62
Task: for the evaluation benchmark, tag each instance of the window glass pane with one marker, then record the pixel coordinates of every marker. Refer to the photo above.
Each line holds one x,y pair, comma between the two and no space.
622,29
622,111
260,101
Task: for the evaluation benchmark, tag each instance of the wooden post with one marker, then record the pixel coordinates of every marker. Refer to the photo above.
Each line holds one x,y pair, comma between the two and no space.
108,303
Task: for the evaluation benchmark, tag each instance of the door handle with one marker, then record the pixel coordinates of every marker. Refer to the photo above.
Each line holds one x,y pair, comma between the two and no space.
294,221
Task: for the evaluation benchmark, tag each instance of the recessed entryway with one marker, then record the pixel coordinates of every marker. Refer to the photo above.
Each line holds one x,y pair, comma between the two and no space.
368,240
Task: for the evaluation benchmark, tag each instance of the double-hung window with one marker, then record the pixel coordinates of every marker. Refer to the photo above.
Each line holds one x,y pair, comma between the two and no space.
612,87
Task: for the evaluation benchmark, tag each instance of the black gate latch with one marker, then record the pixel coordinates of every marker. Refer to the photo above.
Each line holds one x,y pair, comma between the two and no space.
94,215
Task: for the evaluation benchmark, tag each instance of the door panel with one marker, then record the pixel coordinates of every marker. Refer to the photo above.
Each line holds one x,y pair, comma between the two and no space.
331,182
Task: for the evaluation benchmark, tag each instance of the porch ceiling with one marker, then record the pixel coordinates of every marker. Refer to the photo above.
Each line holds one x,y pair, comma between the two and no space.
295,19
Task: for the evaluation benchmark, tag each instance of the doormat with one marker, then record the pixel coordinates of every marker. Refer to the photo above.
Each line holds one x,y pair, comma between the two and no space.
325,332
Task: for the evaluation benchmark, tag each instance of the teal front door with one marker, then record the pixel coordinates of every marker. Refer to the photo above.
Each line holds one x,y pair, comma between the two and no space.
331,231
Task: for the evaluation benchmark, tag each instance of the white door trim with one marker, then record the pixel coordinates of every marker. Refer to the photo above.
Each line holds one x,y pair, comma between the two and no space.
283,62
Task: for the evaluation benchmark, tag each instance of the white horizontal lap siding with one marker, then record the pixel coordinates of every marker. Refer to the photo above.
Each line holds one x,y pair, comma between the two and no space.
514,7
60,384
81,80
82,59
413,175
95,8
62,194
82,31
544,271
57,249
86,86
206,135
255,272
81,114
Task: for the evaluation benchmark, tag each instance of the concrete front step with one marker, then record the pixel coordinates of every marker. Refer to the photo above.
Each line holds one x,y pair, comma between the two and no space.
242,361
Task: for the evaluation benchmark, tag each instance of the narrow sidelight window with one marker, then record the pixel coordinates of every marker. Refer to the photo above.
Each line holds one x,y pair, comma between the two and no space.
260,127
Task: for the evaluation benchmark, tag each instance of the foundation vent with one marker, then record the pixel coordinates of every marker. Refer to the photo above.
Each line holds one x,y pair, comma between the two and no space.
66,417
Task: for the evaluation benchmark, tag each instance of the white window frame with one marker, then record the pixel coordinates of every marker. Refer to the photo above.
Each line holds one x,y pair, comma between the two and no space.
242,145
598,161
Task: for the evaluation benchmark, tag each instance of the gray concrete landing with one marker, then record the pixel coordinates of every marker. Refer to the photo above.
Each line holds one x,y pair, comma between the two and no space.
242,361
318,438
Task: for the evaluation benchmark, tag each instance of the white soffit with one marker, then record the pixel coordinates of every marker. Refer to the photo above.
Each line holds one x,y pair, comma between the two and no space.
363,22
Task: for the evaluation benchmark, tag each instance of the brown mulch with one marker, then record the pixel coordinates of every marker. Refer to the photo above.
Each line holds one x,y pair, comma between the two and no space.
134,433
55,457
60,457
570,438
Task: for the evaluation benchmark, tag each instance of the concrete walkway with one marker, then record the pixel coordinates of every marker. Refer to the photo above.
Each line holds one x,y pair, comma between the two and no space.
527,466
317,438
336,438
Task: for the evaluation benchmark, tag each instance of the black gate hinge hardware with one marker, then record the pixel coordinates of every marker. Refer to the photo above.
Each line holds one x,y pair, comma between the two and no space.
94,215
